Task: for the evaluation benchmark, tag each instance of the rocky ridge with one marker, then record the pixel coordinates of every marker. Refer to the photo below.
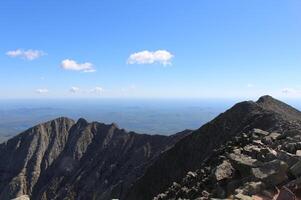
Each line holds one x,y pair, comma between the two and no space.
254,164
64,159
226,134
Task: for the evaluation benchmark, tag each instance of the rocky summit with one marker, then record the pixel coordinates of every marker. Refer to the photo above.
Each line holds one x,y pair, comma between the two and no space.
251,151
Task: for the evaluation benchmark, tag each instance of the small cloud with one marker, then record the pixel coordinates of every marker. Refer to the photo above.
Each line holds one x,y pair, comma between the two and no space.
42,91
289,91
74,89
69,64
97,90
250,85
29,54
149,57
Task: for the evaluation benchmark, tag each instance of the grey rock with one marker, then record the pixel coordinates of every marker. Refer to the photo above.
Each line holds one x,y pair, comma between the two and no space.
224,171
272,173
296,169
260,132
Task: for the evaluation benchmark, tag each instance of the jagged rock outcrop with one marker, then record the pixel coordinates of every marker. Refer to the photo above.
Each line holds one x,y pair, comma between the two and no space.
24,158
62,159
249,150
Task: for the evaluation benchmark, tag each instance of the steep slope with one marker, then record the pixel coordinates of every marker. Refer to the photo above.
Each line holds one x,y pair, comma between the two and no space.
63,159
200,147
25,157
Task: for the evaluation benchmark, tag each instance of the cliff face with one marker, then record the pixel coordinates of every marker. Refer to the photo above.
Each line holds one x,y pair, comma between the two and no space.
24,158
63,159
199,149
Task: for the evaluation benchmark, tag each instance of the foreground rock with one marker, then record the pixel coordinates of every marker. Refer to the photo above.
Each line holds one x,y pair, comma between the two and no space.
241,172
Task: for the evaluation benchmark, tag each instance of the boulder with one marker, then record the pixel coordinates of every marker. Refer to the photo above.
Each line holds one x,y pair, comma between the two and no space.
250,188
224,171
298,152
271,173
263,154
192,174
242,197
272,137
243,163
286,194
260,132
296,169
23,197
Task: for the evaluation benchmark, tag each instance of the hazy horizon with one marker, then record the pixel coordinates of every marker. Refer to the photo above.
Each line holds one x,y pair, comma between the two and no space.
149,116
143,116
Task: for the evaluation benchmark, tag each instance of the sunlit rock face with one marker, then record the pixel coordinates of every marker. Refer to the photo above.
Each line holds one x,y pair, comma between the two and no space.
67,159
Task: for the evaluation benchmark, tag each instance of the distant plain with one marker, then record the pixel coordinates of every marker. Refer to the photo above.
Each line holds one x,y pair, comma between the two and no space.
165,117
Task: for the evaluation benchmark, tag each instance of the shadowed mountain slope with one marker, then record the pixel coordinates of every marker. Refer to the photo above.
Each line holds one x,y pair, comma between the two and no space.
194,150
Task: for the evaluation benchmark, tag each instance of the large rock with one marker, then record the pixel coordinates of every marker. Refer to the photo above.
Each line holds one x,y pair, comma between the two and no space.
23,197
224,171
296,169
243,163
260,132
271,173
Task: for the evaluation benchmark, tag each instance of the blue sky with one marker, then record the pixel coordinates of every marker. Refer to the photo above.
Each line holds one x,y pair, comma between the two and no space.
150,48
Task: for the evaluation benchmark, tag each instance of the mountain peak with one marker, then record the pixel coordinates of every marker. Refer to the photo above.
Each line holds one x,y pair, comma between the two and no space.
266,98
269,103
82,122
62,119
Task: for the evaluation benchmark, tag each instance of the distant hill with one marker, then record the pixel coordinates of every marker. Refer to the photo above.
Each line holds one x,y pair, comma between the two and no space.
142,116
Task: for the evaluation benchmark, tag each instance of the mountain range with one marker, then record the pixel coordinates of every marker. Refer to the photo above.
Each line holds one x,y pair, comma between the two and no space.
252,150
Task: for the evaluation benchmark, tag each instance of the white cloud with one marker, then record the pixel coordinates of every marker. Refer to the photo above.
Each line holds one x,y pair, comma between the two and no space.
29,54
250,85
97,90
42,91
74,89
290,91
69,64
149,57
